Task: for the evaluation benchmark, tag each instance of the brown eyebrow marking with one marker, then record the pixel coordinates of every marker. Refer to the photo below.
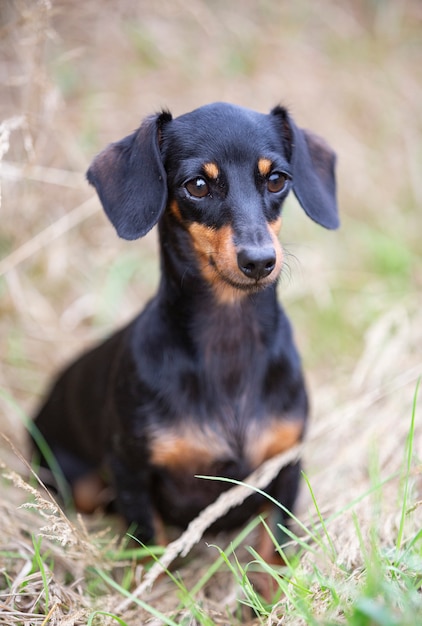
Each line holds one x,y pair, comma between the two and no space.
211,170
264,166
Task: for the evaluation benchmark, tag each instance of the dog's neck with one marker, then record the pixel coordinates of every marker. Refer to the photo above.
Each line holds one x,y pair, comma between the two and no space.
230,340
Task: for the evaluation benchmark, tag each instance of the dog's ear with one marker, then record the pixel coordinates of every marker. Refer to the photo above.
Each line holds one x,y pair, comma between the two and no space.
130,179
313,165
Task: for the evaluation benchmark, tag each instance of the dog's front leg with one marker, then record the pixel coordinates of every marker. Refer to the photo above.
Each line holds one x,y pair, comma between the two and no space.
284,489
133,500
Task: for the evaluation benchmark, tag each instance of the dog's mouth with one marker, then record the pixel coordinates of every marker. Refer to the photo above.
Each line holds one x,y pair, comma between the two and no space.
241,283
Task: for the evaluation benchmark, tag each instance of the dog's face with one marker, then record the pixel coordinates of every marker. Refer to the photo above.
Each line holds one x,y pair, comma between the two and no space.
222,173
228,173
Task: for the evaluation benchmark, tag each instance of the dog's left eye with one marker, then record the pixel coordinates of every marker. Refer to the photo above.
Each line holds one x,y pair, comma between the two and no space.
198,187
276,182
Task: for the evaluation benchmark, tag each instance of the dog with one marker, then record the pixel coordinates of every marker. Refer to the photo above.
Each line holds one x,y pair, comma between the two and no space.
206,379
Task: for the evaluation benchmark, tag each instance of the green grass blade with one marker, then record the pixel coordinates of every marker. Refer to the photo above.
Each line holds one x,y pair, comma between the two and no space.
105,614
407,470
42,444
321,519
147,607
41,567
227,552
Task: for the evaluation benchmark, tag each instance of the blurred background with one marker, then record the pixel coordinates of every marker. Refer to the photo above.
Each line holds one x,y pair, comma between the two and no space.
75,76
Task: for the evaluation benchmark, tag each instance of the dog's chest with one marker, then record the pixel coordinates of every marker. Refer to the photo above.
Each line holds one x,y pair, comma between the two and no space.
217,402
180,456
228,422
196,448
230,351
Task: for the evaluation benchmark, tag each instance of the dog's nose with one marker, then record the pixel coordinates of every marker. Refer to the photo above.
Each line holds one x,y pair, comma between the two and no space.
256,262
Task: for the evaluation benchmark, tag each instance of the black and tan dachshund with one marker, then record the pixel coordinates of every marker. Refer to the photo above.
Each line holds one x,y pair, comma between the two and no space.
207,379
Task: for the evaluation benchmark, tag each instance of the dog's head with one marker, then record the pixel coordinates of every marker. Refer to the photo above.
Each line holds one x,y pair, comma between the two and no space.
222,172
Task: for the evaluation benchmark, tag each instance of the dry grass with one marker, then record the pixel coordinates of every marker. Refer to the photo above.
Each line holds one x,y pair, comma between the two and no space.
75,76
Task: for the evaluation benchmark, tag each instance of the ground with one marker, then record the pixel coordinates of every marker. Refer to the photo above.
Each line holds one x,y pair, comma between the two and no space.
75,76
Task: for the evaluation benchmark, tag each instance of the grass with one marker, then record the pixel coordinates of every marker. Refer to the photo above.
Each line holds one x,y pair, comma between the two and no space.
74,78
315,587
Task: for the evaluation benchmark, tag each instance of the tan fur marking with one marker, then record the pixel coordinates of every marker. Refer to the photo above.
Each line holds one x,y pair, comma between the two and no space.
177,453
274,229
89,492
190,448
275,226
265,546
264,166
276,437
160,534
218,260
174,208
211,170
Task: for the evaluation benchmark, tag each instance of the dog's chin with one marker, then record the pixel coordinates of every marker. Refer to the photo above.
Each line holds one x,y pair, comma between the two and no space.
231,289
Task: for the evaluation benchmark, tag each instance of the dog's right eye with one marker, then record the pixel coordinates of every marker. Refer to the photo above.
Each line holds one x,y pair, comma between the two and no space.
276,182
198,187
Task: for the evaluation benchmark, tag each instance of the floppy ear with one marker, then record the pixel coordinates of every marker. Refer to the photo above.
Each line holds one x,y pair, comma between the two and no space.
313,163
130,179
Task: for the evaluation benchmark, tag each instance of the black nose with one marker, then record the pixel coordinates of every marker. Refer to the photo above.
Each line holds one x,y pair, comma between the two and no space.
256,262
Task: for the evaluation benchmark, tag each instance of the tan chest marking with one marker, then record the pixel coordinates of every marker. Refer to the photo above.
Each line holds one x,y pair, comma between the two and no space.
191,448
273,438
195,449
